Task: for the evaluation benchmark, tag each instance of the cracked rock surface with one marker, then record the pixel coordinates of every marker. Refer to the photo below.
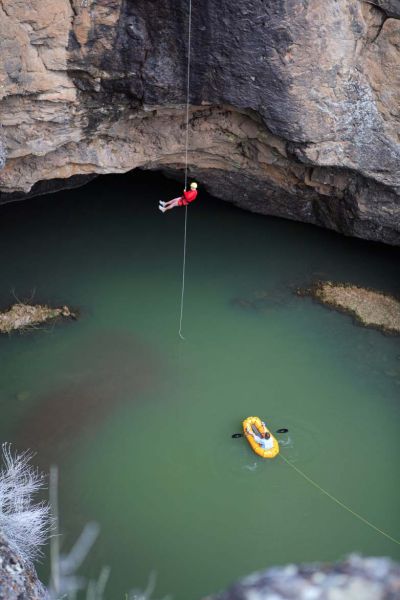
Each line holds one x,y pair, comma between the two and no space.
294,104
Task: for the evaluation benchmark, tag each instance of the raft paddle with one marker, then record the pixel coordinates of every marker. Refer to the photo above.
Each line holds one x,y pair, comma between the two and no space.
239,435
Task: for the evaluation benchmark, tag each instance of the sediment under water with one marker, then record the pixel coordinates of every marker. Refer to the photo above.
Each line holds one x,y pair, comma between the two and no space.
140,422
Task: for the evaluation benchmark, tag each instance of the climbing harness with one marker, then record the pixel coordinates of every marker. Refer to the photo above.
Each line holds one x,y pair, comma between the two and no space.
186,166
342,504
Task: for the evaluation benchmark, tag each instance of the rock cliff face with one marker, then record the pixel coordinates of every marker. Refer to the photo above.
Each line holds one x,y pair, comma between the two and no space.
294,103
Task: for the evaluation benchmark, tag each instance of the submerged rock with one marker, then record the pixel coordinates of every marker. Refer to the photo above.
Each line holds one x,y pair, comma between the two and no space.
370,307
23,316
353,579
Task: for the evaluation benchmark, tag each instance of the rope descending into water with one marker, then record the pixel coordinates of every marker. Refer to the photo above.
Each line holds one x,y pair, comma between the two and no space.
183,276
186,165
355,514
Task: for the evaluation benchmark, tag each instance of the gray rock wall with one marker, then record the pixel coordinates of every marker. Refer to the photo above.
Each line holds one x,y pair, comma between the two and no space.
294,103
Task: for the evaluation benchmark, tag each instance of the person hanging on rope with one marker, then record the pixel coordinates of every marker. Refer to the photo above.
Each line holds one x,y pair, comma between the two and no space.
187,198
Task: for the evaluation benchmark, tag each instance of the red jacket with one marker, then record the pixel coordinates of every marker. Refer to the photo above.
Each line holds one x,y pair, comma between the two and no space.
188,197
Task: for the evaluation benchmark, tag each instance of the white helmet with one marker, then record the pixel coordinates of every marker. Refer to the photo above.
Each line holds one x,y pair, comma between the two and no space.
193,185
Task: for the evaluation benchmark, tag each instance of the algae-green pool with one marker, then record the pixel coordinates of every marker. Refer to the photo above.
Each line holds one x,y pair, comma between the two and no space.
140,422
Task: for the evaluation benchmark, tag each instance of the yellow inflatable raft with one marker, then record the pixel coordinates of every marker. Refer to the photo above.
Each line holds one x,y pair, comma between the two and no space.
257,425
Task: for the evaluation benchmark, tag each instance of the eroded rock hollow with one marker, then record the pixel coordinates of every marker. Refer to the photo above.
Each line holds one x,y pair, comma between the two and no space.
294,105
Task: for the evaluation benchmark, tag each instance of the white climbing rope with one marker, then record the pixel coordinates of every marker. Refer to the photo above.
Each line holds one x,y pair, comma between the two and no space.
341,504
186,165
183,276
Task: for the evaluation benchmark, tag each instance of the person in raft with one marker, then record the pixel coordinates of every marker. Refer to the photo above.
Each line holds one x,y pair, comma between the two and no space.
184,200
266,442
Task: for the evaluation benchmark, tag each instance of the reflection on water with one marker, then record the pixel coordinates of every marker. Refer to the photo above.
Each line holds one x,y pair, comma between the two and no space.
140,423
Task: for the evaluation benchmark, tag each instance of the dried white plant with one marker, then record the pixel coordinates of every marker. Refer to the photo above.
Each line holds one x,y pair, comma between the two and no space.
24,523
65,582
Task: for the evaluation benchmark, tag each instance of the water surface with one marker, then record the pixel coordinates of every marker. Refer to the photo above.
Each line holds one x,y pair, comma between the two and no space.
140,422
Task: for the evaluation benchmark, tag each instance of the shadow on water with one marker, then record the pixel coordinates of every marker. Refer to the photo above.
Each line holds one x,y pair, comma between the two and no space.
103,372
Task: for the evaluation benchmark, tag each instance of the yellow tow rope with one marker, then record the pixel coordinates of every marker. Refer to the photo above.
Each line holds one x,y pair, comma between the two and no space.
355,514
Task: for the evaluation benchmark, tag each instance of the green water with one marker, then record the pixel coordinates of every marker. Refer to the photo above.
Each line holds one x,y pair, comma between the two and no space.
140,423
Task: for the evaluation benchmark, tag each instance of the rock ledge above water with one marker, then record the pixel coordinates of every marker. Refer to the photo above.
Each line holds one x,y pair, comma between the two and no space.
24,316
371,308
